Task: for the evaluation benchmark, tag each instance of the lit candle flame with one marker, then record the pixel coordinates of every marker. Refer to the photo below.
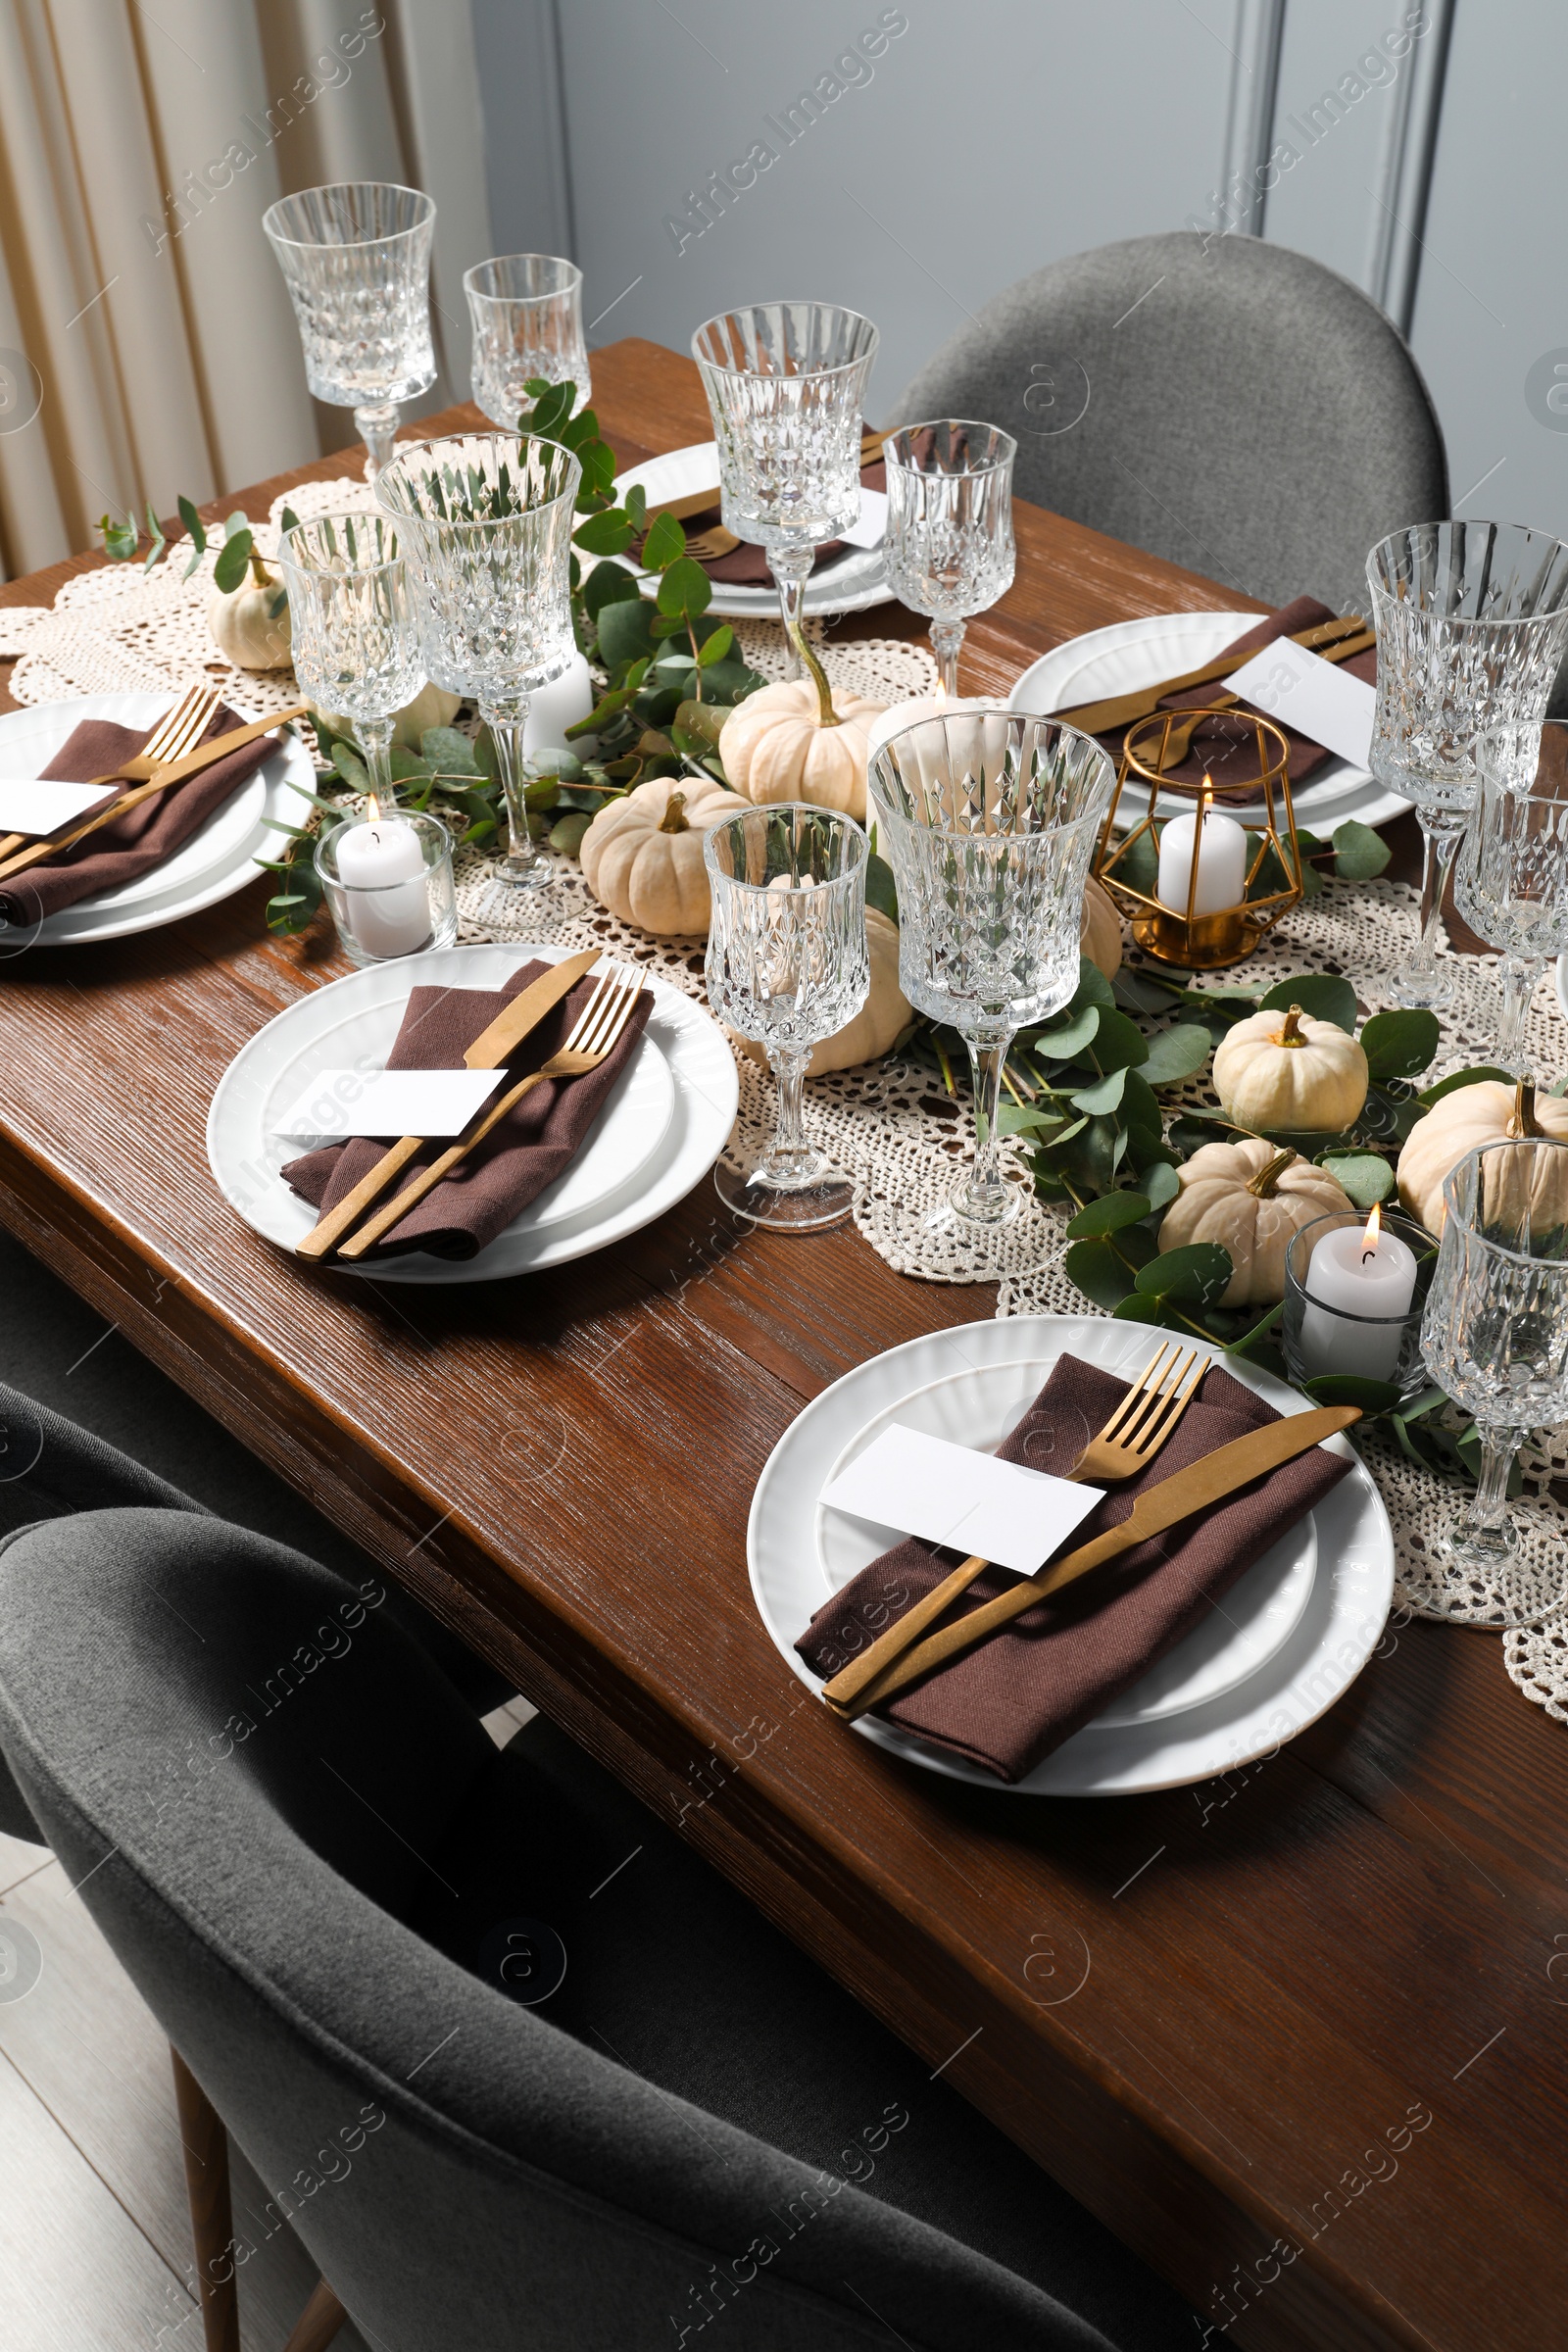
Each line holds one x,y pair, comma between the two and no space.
1369,1238
371,808
1205,801
941,694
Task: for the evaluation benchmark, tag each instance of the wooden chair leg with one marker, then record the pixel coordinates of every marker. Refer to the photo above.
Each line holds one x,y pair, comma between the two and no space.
324,2315
212,2220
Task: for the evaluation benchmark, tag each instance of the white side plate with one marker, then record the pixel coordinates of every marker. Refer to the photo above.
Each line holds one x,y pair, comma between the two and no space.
854,581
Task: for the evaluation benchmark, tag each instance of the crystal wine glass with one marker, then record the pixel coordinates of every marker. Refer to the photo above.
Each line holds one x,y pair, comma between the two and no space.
989,820
526,310
788,964
949,549
1494,1335
356,258
785,387
1472,622
1512,876
484,521
355,643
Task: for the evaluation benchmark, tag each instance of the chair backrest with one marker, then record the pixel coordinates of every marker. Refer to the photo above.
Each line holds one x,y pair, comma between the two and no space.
1222,402
245,1765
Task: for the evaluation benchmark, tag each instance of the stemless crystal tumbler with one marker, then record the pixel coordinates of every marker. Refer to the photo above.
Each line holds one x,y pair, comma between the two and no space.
948,551
1472,623
1495,1336
527,311
788,964
484,523
989,820
356,258
785,387
356,644
1512,878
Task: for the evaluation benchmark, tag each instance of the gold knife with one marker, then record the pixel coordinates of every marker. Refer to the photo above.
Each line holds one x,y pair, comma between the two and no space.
488,1051
1197,1488
206,755
1098,718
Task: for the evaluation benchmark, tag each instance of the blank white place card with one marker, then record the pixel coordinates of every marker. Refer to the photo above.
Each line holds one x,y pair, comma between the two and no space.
947,1493
342,1103
1315,697
871,529
41,806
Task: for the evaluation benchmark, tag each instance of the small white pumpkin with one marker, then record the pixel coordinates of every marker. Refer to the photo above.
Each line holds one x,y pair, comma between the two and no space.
1281,1069
246,629
881,1019
642,857
431,707
1100,933
1486,1112
1252,1199
792,742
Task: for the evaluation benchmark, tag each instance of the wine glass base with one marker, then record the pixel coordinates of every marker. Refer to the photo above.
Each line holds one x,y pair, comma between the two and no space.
1421,995
958,1214
528,873
1488,1584
828,1200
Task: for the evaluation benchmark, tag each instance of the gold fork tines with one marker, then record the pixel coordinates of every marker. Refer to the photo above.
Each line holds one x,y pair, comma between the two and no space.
175,732
594,1037
1131,1438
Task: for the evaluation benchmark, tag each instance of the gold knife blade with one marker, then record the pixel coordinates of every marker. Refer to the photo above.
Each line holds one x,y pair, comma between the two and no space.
1194,1489
488,1051
1121,710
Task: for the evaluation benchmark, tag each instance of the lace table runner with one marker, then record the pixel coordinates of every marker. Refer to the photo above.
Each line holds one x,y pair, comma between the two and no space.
891,1124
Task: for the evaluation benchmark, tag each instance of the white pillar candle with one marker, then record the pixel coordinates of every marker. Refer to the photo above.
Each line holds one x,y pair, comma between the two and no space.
554,708
1361,1271
381,868
1221,861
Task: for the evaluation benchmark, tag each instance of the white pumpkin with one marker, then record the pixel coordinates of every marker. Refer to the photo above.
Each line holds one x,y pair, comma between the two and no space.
1100,933
431,707
246,629
642,857
778,746
1486,1112
1252,1199
881,1019
1281,1069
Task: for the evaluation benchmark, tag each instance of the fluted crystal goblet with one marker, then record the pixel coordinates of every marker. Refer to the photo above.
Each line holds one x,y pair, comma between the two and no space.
355,637
948,551
1512,882
527,314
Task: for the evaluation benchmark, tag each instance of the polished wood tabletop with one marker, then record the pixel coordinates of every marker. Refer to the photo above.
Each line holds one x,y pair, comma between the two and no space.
1300,2036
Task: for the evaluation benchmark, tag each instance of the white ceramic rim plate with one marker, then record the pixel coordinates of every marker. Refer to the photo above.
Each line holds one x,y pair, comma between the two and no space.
856,581
662,1129
220,858
1291,1681
1130,653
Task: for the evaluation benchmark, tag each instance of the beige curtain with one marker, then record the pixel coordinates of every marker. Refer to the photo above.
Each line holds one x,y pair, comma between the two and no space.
147,346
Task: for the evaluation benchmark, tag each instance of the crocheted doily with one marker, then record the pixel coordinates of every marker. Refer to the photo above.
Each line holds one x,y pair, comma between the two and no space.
891,1125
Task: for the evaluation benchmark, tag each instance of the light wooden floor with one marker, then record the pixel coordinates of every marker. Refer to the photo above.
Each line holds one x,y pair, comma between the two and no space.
95,2251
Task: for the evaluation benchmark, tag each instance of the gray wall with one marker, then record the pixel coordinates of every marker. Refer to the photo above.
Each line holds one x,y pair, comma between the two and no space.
1413,149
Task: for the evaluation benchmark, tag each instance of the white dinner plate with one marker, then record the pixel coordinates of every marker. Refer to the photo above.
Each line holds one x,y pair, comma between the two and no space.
1130,653
1562,984
1289,1638
220,858
664,1123
853,581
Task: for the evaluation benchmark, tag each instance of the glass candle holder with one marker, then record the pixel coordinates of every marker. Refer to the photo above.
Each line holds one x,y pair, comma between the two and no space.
1322,1335
388,882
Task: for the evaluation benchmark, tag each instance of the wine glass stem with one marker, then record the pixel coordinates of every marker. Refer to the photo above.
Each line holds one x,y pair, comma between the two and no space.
986,1191
1490,1505
375,742
946,638
1518,975
377,424
791,567
1438,846
507,729
789,1154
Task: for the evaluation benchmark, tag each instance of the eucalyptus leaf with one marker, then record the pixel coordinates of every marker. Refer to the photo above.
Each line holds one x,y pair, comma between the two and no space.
1358,851
1141,1113
665,544
1458,1078
1345,1388
234,561
1026,1119
881,889
685,587
1364,1176
1068,1041
624,631
1175,1053
1108,1214
1400,1044
1105,1096
1320,995
449,750
608,584
714,648
1119,1044
605,534
1197,1275
1161,1184
1099,1272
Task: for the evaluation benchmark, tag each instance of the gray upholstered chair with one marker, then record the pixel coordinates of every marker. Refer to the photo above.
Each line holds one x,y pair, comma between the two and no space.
518,2067
1225,403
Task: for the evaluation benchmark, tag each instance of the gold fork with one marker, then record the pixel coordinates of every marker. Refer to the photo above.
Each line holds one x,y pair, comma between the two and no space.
593,1038
1130,1440
174,733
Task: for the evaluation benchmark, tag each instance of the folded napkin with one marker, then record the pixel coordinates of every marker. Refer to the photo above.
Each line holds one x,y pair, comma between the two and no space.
1227,737
1035,1680
745,567
133,844
527,1150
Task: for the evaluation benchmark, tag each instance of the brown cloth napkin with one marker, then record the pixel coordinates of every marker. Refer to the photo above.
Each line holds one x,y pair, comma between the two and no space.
747,566
1012,1699
527,1150
133,844
1226,737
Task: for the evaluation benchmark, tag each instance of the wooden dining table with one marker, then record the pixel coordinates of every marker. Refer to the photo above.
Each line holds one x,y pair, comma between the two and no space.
1298,2035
